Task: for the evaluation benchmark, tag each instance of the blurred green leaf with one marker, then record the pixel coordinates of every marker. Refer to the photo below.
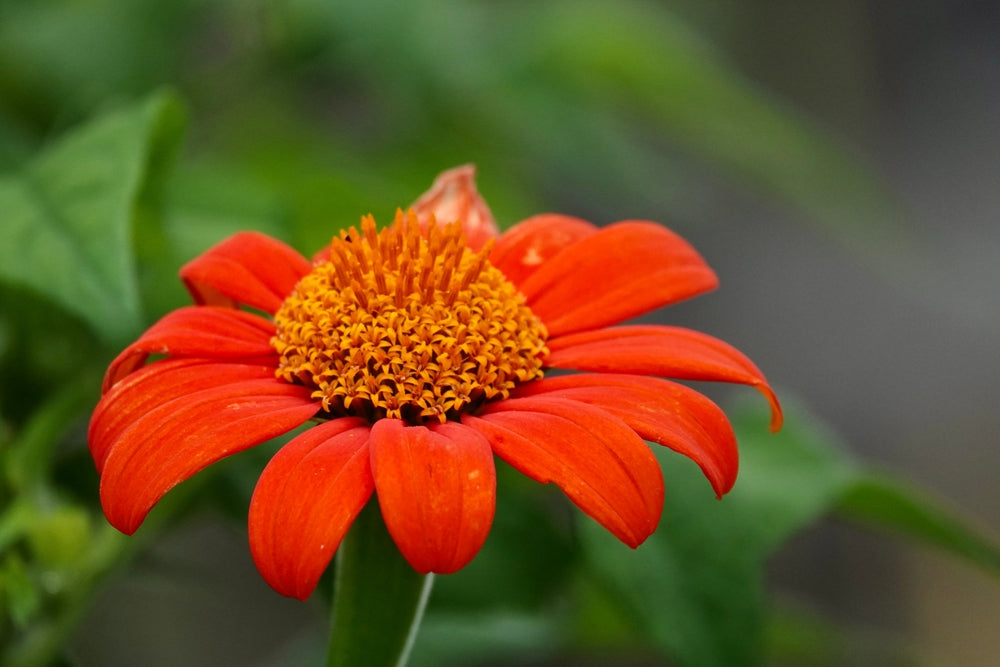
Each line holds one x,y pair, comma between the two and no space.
678,83
60,537
64,58
38,343
324,185
208,203
15,520
695,587
886,502
14,144
600,93
19,597
67,215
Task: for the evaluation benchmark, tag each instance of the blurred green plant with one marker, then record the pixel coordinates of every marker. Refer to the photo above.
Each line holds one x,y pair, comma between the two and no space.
338,103
69,213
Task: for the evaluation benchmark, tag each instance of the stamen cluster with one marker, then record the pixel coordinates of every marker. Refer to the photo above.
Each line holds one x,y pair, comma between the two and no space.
407,325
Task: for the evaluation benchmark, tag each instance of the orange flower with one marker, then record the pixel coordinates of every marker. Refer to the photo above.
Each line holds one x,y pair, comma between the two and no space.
422,352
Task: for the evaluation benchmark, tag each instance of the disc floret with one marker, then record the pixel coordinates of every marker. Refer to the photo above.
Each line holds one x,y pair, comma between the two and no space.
407,325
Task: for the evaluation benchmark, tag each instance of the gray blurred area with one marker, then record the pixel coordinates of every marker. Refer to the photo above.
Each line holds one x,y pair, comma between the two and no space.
902,363
898,354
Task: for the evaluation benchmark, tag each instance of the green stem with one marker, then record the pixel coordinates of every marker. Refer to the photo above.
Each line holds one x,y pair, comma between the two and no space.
378,599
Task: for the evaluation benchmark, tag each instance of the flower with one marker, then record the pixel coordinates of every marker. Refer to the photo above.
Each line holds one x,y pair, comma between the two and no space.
422,350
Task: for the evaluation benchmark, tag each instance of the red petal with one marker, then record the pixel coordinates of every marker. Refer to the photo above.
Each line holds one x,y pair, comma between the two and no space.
530,243
659,411
173,441
660,350
598,461
306,499
156,384
453,196
436,487
247,268
207,332
622,271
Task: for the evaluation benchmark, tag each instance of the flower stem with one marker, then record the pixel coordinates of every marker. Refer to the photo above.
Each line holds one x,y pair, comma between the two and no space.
378,598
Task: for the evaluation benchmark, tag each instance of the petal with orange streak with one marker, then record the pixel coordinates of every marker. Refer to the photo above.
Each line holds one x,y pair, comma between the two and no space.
436,487
248,268
665,351
179,437
206,332
622,271
594,457
659,411
306,499
158,383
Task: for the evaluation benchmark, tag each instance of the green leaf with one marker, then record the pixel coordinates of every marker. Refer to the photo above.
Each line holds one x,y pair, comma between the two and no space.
695,588
68,214
883,501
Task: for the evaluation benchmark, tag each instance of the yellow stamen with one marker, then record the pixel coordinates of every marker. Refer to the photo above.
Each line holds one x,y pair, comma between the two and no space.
396,324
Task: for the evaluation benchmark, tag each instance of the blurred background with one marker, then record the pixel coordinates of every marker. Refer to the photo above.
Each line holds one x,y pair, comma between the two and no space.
837,164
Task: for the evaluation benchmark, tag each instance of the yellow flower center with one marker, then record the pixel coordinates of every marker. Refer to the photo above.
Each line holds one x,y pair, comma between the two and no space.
398,324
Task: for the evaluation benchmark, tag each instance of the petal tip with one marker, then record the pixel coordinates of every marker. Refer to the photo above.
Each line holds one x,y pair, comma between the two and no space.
777,415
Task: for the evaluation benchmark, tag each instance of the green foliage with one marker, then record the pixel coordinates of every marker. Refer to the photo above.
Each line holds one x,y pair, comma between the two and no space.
695,589
884,501
68,215
19,595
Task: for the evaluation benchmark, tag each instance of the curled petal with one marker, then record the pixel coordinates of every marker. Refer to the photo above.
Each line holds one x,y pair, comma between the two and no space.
248,268
660,350
523,248
660,411
597,460
152,386
207,332
436,488
623,270
176,439
306,499
453,196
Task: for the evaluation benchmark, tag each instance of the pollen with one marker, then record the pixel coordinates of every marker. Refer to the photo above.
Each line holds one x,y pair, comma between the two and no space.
408,325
